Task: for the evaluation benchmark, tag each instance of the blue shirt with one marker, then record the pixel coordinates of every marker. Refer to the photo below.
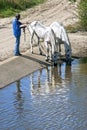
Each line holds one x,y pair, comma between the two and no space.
16,27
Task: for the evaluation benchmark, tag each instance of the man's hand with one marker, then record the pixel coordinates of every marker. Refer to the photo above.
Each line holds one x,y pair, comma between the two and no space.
23,26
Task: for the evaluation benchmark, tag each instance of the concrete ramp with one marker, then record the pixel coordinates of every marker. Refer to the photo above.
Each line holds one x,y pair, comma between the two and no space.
15,68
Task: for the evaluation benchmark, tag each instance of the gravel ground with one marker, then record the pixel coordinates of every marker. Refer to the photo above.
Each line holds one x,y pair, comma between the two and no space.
54,10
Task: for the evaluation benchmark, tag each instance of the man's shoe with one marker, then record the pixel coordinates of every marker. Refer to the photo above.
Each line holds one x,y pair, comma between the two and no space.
18,54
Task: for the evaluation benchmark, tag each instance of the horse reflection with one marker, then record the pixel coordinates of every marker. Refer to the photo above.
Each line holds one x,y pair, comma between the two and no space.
56,75
46,80
35,80
68,72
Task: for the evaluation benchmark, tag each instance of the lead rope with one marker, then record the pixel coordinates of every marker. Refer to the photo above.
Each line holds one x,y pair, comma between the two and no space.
24,34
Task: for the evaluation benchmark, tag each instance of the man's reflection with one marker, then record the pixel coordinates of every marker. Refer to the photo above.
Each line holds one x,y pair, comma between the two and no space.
18,86
19,98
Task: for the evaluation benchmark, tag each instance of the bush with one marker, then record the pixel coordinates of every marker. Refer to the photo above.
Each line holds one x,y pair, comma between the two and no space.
73,28
82,11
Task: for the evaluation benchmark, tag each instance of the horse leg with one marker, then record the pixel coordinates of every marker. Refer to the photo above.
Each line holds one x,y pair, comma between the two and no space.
31,42
51,52
67,54
47,50
59,47
39,46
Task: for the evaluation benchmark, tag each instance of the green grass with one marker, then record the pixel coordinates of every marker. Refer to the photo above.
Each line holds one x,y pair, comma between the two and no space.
82,11
8,12
11,7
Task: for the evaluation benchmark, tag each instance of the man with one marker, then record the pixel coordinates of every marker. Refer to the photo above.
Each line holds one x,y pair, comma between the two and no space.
17,25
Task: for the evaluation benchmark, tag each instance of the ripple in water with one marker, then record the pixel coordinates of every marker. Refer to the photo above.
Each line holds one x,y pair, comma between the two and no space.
53,98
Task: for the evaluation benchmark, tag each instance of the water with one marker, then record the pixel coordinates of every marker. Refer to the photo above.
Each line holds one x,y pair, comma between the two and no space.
54,98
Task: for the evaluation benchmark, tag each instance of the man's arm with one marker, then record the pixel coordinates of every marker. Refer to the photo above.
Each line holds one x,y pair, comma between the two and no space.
23,26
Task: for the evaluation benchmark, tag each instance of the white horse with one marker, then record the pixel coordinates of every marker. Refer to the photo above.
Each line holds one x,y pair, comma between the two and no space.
45,33
62,38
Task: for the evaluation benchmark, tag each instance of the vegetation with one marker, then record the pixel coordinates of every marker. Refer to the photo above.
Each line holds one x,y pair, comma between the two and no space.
72,0
82,14
11,7
73,28
82,11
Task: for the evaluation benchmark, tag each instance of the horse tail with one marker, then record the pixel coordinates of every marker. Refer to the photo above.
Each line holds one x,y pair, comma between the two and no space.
54,35
52,40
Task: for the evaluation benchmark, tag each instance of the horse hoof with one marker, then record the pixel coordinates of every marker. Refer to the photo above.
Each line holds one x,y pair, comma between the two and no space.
40,53
55,64
46,59
50,59
68,62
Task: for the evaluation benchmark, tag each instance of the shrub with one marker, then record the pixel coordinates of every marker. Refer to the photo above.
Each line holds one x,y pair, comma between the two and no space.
82,12
73,28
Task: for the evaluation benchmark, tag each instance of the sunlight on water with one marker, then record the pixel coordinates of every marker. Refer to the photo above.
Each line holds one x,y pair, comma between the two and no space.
53,98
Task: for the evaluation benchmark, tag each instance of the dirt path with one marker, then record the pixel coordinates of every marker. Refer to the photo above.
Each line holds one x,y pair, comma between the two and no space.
52,10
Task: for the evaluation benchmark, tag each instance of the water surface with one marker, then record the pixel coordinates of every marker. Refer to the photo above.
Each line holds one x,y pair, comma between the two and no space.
54,98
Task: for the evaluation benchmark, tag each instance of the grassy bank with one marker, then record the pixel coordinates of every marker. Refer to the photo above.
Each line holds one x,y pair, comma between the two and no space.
11,7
